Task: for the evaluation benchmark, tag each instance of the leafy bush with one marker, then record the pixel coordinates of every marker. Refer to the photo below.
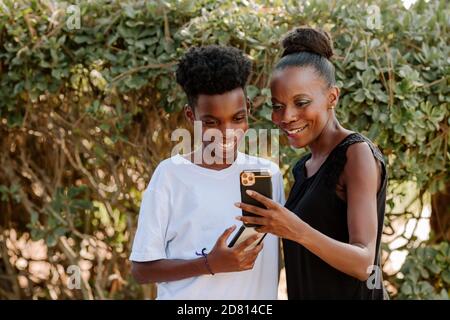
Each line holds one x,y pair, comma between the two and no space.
426,273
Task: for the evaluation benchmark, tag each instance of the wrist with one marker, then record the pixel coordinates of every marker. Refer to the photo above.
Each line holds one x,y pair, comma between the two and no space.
208,265
302,232
215,264
204,261
209,262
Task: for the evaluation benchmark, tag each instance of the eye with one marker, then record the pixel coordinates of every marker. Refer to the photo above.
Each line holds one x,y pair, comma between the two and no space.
302,103
276,106
239,119
209,123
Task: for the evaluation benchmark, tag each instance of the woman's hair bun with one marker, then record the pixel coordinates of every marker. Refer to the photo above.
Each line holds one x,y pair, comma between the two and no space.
310,40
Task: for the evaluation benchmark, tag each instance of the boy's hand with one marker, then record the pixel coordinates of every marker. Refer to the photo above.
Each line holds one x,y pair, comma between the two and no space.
224,259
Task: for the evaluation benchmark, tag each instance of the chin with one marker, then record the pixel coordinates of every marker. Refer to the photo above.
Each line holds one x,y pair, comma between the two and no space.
298,143
225,155
229,156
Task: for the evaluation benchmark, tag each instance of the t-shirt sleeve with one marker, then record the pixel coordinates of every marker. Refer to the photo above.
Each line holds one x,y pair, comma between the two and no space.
150,240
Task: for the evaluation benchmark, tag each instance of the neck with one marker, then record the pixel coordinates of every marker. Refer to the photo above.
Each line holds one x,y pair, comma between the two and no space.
331,135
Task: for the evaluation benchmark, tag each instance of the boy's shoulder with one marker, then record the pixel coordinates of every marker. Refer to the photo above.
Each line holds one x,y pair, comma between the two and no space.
169,163
174,161
166,168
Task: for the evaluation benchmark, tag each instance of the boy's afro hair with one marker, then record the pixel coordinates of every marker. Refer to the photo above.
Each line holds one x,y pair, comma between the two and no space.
212,70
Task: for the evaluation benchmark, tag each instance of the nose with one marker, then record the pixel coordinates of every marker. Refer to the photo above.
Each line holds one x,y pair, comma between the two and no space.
289,116
231,132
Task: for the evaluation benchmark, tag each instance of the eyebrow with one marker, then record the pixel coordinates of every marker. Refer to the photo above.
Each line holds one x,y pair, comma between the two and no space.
301,95
212,117
208,117
275,100
240,111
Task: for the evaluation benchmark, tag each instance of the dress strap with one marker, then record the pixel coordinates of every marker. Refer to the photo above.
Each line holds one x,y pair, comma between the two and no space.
339,157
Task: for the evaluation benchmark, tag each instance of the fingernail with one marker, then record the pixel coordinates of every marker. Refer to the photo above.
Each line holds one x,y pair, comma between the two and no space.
237,204
249,192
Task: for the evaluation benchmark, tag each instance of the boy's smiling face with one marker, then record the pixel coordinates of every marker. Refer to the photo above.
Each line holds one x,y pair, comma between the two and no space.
225,113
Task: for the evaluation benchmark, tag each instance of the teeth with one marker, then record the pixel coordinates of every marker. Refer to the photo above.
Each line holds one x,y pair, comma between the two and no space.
226,145
296,130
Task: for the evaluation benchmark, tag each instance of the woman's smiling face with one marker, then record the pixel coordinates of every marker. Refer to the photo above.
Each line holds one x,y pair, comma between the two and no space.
301,102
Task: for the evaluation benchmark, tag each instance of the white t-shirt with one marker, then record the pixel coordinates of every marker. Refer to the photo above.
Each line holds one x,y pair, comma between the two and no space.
184,209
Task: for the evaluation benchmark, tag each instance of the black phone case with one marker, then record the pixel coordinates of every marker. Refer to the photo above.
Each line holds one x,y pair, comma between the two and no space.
238,234
262,184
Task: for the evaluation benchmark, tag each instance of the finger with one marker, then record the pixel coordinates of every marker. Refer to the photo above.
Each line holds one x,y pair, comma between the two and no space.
253,254
262,229
253,209
252,220
269,203
259,247
249,266
226,234
247,242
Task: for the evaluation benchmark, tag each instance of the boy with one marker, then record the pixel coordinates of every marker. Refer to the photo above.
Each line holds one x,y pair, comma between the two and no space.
180,242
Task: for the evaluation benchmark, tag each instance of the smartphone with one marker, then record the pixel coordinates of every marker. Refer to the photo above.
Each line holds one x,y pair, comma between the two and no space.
259,181
243,234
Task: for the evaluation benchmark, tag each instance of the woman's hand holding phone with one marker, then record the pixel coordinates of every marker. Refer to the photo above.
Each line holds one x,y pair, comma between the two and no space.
225,259
273,218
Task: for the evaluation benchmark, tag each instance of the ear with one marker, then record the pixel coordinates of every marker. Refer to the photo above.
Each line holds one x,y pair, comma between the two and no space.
249,106
333,96
189,113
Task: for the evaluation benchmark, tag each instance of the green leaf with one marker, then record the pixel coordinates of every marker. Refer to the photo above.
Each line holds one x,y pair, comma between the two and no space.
434,267
252,91
105,127
51,240
34,217
359,95
82,204
446,276
129,11
75,191
60,231
360,65
36,234
406,289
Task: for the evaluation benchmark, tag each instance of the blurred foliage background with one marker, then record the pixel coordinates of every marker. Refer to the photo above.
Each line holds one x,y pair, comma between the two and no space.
86,114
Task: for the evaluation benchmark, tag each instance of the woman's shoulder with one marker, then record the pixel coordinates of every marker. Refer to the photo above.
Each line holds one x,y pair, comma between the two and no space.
354,149
358,144
355,153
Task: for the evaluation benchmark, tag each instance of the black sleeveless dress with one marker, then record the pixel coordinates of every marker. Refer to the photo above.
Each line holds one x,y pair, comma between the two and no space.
315,201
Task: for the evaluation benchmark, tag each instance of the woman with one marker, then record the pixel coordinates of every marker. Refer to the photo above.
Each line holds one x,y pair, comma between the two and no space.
332,222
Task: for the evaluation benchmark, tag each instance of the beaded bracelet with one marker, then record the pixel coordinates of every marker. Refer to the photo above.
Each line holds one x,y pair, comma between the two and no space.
204,254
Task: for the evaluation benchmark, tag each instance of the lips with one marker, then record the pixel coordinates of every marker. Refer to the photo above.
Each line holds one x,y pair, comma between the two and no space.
293,131
227,146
